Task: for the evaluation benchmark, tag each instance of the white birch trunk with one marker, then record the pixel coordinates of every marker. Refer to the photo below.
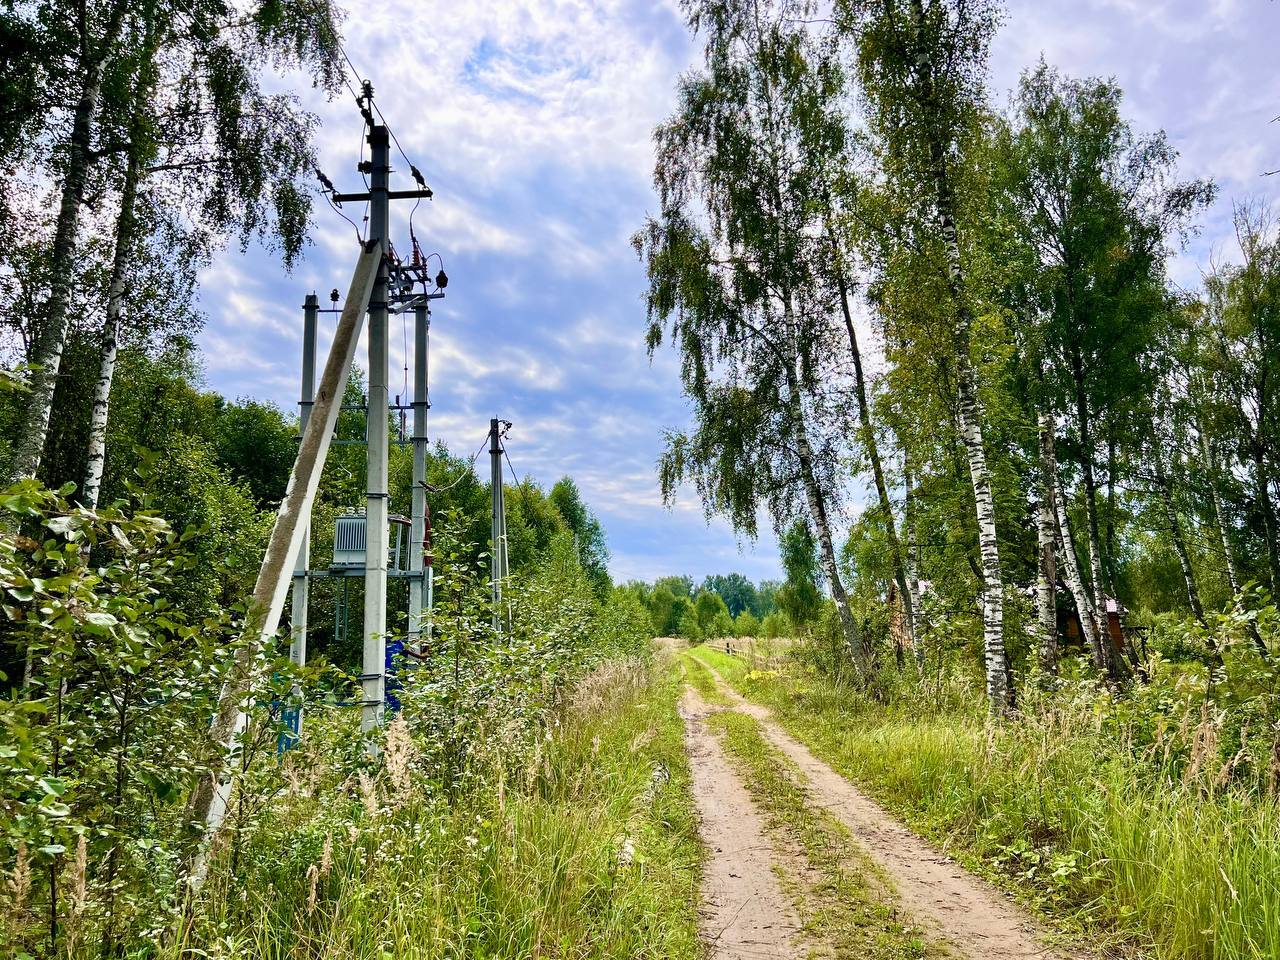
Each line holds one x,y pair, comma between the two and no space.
999,690
1084,606
1046,592
913,562
111,336
1211,474
1179,544
1219,517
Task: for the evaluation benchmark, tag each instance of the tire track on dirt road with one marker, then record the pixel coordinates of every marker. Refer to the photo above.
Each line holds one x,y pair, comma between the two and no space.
745,915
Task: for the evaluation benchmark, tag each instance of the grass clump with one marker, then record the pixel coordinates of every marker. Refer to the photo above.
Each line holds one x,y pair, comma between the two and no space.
846,903
583,847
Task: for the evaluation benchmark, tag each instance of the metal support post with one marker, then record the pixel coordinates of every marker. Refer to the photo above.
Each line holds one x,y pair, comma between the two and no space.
375,579
298,602
504,567
418,506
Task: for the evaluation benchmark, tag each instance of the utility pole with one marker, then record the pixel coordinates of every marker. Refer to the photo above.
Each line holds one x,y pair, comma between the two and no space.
497,550
300,597
420,572
373,667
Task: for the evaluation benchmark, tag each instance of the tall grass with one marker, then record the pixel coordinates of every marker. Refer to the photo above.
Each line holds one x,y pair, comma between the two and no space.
583,847
1066,805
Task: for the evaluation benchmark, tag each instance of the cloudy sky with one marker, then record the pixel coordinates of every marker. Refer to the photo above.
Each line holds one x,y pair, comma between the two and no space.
532,119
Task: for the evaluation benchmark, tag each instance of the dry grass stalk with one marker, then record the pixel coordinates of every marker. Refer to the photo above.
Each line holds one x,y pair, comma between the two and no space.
79,888
326,855
313,880
368,794
1204,745
400,756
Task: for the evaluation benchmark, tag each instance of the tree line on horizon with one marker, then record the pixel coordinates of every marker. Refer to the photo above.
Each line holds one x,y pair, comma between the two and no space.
1053,428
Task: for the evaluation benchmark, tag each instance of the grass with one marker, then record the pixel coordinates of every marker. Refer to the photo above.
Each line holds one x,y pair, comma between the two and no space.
587,848
1174,868
701,679
847,905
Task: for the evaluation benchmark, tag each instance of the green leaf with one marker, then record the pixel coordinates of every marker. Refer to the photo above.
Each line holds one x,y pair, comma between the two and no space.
101,619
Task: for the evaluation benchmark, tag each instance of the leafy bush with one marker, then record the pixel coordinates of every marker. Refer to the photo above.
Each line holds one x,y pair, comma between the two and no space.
101,748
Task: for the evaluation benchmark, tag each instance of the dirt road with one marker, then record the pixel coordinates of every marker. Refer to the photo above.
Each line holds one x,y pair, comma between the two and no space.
955,909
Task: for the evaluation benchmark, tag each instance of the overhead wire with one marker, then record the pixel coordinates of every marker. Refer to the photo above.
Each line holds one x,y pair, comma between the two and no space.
515,477
338,210
465,473
391,130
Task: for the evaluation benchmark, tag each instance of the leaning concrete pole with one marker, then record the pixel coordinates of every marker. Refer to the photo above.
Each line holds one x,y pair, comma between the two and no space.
373,663
209,800
418,593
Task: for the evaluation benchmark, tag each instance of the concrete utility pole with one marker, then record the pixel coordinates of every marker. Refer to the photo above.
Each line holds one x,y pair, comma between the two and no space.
298,602
420,573
377,495
498,567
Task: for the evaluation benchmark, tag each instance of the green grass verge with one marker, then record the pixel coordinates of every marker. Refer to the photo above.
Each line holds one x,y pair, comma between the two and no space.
847,905
588,848
701,679
1045,805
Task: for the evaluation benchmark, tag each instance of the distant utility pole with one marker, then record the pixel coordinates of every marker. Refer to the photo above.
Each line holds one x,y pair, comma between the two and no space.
498,569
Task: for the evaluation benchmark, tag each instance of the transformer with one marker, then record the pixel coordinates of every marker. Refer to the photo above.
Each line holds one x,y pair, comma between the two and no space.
349,540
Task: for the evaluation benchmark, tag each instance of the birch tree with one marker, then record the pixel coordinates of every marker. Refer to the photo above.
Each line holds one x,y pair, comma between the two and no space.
1241,359
97,33
922,65
1096,205
734,283
232,154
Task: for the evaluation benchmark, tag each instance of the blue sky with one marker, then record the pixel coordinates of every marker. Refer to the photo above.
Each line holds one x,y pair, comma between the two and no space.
531,120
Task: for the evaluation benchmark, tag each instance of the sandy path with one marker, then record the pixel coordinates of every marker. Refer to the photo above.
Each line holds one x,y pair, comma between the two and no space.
968,913
745,915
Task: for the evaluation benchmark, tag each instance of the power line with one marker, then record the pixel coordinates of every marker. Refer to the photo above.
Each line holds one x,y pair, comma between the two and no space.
338,211
366,86
465,473
514,476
